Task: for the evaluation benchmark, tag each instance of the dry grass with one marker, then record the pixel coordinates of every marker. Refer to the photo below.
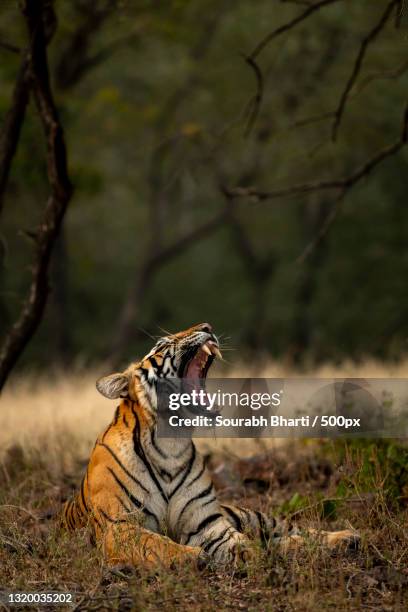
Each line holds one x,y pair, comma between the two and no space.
56,422
36,410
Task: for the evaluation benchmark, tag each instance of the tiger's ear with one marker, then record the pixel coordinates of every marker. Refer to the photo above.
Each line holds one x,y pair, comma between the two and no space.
113,386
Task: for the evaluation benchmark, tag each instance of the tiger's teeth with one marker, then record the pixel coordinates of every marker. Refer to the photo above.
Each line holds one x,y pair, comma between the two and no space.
206,349
214,349
217,352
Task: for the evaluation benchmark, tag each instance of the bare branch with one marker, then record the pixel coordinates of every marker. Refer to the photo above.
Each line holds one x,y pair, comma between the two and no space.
330,185
365,43
289,25
187,240
400,13
105,53
258,195
342,186
327,223
392,74
313,119
9,47
74,61
157,252
243,244
60,186
298,2
256,101
260,268
10,134
340,198
146,276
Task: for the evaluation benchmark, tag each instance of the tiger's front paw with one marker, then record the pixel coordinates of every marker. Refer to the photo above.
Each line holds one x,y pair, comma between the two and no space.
204,561
243,553
236,555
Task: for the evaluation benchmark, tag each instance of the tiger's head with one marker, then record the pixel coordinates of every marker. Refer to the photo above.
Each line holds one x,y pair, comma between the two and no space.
186,355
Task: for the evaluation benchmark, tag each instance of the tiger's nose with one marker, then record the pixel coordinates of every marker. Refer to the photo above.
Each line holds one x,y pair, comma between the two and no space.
206,327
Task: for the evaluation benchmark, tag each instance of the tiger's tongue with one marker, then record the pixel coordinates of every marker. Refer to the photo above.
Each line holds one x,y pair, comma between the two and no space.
195,368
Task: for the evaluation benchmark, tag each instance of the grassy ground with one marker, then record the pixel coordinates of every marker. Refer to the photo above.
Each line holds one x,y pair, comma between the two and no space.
327,484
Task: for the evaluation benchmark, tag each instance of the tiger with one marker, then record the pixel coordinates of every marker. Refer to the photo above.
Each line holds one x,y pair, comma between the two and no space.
150,501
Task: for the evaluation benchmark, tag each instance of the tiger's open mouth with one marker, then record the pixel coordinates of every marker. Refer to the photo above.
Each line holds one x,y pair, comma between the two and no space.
197,362
194,369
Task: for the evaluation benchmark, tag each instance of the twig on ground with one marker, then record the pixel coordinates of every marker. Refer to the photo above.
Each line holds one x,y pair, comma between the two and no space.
20,508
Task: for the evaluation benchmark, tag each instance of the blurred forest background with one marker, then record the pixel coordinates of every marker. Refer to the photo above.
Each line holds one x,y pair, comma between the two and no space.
186,146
